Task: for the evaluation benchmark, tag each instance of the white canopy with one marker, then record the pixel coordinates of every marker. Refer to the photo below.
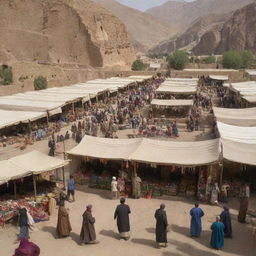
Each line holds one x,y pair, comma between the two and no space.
250,99
105,148
176,90
178,153
27,164
9,118
173,79
172,103
220,78
149,150
234,116
251,72
239,152
240,134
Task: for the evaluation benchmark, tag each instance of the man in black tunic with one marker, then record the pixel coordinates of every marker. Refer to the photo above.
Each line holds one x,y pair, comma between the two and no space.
122,215
161,226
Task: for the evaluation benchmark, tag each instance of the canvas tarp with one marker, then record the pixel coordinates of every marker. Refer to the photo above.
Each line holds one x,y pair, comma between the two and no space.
234,116
251,72
239,152
179,84
177,153
27,164
250,99
9,118
240,134
176,90
220,78
105,148
149,150
182,79
172,103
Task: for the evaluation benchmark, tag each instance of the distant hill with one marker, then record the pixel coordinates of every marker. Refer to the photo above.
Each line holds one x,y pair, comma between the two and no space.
183,14
145,30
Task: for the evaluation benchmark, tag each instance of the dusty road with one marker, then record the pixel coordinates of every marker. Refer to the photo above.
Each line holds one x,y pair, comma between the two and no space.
142,230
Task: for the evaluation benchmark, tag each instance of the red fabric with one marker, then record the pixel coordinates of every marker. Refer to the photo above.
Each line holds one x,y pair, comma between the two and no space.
27,248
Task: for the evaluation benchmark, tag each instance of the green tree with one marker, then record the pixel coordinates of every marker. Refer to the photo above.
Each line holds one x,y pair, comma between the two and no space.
6,75
40,83
247,59
178,60
209,60
232,59
138,65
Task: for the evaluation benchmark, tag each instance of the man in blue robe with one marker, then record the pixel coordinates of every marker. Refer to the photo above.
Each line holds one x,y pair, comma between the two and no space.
217,238
225,218
196,224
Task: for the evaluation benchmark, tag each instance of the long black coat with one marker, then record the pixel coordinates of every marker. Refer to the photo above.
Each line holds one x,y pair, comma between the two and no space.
122,215
225,218
161,226
87,231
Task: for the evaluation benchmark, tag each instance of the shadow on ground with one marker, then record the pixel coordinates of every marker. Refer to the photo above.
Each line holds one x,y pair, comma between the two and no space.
146,242
110,233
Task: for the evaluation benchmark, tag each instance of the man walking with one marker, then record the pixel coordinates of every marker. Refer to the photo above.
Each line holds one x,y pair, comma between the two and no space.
71,188
196,224
217,238
122,215
87,234
161,226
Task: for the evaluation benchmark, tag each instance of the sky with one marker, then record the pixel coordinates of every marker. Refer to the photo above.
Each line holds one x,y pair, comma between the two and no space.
143,5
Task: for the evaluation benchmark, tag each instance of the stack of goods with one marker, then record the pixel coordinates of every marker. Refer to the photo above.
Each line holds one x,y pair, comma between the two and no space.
201,188
170,189
38,210
82,178
234,190
187,187
100,182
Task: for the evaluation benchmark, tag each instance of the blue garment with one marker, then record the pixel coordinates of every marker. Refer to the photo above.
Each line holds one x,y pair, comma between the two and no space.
71,184
195,224
24,232
217,238
225,218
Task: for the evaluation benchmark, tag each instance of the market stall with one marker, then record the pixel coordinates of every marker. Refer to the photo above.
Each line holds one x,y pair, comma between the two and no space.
28,181
171,108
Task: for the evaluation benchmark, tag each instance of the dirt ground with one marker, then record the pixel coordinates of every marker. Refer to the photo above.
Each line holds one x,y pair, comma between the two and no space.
142,240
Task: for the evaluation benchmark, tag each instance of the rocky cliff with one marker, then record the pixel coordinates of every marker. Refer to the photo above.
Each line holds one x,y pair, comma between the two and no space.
238,33
62,32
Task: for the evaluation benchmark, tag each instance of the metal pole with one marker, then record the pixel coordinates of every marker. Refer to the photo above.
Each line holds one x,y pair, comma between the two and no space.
34,184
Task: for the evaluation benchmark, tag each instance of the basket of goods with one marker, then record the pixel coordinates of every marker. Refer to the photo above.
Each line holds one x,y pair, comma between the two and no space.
191,190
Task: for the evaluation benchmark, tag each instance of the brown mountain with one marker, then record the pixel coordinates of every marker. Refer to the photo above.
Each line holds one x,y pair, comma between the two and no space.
145,31
183,14
192,35
238,33
62,32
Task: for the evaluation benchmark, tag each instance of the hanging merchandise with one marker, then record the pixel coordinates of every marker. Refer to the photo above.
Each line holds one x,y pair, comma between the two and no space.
127,165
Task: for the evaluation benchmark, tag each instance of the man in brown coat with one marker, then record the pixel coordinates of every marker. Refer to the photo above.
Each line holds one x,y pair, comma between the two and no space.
63,226
88,235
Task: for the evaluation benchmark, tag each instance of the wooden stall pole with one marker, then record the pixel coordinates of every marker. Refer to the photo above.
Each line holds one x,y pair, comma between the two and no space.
63,174
73,108
34,184
15,189
134,174
221,165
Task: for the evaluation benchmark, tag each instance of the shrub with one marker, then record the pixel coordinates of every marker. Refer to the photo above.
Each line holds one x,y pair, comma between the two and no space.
178,60
40,83
237,59
6,75
209,60
138,65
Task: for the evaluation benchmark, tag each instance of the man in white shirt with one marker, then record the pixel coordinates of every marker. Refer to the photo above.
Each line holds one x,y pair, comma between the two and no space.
114,190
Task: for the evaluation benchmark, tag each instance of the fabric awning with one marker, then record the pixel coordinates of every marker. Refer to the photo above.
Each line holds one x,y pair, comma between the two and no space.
239,152
176,90
177,153
251,72
240,134
105,148
27,164
219,78
172,103
234,116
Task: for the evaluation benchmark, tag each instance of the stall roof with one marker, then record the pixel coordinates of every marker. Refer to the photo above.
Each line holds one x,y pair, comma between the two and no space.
176,90
250,99
251,72
240,134
182,79
105,148
179,84
9,118
234,116
178,153
243,85
149,150
220,78
239,152
172,103
27,164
